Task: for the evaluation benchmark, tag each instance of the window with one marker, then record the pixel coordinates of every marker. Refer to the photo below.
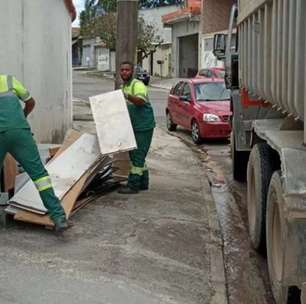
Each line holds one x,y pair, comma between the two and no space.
206,73
176,90
211,91
186,91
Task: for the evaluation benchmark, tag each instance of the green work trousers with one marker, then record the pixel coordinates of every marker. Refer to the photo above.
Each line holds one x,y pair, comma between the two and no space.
139,174
21,145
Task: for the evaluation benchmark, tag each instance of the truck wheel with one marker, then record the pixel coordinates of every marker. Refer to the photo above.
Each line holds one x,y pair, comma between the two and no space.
170,125
239,162
276,238
259,172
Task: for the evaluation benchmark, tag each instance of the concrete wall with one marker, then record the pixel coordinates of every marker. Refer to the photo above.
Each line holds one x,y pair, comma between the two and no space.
215,15
88,57
36,47
161,70
103,59
179,30
153,16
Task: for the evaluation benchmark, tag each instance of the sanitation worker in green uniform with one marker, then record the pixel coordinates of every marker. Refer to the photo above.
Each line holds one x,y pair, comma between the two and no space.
142,118
16,139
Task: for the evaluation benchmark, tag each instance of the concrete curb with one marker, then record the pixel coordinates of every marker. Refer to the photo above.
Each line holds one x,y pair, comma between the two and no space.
216,257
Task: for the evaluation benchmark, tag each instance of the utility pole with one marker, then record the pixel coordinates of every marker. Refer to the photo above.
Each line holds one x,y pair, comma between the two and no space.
127,26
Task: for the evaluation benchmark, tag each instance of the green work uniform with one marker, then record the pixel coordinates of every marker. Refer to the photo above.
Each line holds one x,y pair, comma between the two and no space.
16,138
143,122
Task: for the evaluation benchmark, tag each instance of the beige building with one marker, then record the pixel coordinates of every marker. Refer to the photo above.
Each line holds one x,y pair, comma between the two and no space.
184,23
158,63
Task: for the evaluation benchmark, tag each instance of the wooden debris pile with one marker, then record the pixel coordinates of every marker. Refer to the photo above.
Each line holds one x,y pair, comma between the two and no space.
82,166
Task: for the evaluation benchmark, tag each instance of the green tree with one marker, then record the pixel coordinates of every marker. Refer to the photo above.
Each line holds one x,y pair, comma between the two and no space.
99,20
147,41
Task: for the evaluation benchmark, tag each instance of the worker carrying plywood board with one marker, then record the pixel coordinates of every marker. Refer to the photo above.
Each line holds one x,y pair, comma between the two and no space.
16,138
143,122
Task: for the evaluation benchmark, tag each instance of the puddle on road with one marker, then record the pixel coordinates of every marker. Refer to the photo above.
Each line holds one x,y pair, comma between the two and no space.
246,271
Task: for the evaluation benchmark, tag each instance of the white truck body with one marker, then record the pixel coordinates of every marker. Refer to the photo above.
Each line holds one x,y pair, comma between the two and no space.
267,75
272,52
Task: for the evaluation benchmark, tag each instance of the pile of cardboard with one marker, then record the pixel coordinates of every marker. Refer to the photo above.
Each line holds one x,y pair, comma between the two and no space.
28,207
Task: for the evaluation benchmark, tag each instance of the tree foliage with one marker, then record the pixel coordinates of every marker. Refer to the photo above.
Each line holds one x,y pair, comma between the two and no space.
99,20
148,39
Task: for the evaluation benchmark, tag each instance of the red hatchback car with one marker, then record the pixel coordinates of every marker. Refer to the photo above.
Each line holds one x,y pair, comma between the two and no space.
202,106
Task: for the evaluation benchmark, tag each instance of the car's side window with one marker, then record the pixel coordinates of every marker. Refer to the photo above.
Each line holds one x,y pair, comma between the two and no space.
186,92
177,89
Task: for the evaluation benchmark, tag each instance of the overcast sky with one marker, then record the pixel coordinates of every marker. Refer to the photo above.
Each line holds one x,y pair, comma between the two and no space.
79,4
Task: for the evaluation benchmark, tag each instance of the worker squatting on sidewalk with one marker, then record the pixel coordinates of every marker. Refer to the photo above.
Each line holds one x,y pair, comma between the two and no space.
16,138
143,123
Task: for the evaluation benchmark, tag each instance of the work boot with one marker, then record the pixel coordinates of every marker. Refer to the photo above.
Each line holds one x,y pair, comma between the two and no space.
144,183
127,190
60,225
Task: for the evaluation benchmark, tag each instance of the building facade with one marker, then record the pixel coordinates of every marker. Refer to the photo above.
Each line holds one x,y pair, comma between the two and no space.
185,25
36,48
214,19
158,63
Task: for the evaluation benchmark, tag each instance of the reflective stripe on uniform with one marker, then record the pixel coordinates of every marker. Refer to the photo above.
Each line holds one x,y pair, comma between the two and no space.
3,84
136,170
43,183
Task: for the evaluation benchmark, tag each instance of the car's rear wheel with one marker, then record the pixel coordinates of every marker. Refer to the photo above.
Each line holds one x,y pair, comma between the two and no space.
195,132
171,126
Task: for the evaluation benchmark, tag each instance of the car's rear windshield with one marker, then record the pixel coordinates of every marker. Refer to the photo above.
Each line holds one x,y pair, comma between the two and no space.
211,91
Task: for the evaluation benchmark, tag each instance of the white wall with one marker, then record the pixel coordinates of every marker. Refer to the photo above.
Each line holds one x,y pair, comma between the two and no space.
36,47
88,57
153,16
162,53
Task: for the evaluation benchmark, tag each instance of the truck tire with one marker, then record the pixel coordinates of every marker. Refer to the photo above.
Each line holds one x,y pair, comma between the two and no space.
239,162
259,172
276,237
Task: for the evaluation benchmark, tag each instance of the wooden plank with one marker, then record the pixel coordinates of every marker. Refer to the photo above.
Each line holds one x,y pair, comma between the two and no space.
65,170
67,203
121,164
113,124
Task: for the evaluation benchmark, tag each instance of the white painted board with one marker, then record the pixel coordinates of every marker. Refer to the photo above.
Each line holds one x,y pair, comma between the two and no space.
65,170
113,124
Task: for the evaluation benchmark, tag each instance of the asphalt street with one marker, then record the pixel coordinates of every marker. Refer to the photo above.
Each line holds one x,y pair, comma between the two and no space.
246,271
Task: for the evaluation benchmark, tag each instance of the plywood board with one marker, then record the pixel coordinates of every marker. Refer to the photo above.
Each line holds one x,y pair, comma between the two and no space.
67,202
65,170
113,124
121,164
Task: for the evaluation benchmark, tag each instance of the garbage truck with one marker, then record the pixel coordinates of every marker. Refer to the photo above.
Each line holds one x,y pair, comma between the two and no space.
264,53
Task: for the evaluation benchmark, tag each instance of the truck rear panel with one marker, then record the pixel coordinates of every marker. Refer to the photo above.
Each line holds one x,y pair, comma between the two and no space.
272,52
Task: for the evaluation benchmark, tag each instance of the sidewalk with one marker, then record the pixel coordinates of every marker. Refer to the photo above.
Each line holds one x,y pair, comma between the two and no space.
164,245
161,246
